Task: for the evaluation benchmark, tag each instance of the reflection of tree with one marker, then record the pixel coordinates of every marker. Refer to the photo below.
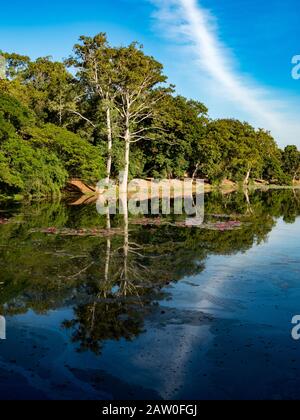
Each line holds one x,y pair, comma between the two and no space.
102,321
37,269
125,274
246,193
148,259
108,248
132,271
117,311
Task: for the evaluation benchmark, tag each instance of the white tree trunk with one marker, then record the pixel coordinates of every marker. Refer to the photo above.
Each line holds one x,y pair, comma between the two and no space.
195,171
109,146
108,254
127,138
124,183
246,181
124,204
246,192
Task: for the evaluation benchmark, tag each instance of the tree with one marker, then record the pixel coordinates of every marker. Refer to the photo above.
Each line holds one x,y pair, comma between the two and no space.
30,171
24,168
172,153
95,61
272,169
38,159
13,115
236,150
138,91
16,64
80,159
291,161
44,86
51,89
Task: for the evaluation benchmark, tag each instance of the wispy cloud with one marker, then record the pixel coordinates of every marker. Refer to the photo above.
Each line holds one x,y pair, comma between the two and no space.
196,28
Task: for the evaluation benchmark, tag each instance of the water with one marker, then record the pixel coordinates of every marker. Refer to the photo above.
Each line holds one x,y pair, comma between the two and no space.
160,311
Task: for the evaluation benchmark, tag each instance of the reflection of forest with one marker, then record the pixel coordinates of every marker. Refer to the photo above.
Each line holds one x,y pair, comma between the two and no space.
114,282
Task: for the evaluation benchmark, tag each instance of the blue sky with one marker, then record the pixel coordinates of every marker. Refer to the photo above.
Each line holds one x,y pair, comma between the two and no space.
234,55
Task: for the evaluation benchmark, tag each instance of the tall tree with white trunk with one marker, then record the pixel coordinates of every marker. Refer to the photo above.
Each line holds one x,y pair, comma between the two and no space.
95,60
138,90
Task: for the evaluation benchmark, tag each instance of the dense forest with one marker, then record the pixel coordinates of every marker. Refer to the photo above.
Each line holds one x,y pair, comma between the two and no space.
109,109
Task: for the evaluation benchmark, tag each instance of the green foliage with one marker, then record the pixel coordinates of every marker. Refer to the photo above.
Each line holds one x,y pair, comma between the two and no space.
52,93
13,115
181,124
38,160
79,158
15,64
28,170
291,161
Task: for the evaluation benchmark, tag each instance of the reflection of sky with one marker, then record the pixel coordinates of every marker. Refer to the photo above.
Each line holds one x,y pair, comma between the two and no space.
225,277
257,287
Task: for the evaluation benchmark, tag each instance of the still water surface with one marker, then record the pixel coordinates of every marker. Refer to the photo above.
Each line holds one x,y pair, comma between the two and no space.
158,311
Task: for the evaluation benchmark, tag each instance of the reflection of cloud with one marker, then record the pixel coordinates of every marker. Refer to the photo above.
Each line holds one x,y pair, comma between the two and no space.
214,298
184,328
195,26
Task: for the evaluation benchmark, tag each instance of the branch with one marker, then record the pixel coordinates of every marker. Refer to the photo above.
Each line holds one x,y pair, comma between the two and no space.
81,116
137,93
139,138
138,111
136,133
146,106
145,117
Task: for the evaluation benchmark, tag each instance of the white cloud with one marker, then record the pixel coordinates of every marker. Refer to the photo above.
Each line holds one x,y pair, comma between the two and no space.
196,29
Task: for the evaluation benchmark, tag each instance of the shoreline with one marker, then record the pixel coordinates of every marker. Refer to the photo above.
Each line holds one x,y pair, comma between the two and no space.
175,190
